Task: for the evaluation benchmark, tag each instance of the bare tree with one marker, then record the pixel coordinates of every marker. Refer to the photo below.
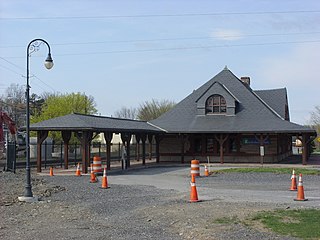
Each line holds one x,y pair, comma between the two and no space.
13,102
154,109
128,113
315,116
315,122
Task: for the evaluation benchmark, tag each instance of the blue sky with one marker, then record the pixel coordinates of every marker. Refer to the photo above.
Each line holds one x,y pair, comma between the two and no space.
126,52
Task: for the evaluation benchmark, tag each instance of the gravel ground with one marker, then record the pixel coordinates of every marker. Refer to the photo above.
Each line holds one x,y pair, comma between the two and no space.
73,208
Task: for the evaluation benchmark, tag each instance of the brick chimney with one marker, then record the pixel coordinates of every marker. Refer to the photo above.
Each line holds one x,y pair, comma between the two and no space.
246,80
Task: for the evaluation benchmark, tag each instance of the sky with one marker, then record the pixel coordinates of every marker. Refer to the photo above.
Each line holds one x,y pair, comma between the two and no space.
124,53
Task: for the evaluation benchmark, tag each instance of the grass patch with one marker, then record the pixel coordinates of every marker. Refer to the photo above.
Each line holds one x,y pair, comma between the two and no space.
303,171
227,220
303,223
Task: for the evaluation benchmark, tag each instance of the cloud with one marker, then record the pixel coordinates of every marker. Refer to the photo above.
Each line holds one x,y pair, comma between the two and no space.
227,34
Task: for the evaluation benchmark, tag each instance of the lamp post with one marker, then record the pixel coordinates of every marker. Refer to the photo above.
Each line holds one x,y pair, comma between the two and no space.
33,46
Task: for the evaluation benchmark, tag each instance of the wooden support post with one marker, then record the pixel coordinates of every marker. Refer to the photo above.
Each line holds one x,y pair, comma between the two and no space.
221,139
138,138
41,136
143,140
261,141
126,138
85,137
158,138
238,142
150,138
108,139
182,147
305,148
66,136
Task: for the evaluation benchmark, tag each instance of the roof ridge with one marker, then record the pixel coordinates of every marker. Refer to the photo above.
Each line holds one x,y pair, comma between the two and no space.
271,89
115,118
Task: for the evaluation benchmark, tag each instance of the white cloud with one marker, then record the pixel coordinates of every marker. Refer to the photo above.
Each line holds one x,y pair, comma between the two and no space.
227,34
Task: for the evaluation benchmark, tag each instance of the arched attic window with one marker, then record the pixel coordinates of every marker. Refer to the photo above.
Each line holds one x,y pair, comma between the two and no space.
216,104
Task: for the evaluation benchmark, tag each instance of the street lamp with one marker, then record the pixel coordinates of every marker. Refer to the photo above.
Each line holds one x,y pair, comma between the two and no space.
33,46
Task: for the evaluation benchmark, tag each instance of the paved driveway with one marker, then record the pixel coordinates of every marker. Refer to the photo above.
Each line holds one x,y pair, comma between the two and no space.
228,187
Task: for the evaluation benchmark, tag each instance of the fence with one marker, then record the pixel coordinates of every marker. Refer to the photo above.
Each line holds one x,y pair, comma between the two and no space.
53,154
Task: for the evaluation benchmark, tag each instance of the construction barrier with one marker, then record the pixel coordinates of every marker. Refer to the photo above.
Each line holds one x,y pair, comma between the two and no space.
93,177
300,194
293,181
193,190
78,172
195,168
51,172
206,171
104,179
97,167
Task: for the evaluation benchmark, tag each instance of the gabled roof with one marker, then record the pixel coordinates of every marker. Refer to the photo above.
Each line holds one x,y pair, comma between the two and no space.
77,122
224,87
276,99
253,114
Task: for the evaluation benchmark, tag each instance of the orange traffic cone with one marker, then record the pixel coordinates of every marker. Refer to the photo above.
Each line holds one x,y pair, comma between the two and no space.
93,178
193,192
206,171
104,179
293,181
78,173
300,195
51,171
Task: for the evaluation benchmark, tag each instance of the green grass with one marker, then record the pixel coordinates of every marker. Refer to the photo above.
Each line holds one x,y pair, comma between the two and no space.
303,223
303,171
227,220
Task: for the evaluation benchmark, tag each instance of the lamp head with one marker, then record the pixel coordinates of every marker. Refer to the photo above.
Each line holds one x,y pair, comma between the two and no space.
49,62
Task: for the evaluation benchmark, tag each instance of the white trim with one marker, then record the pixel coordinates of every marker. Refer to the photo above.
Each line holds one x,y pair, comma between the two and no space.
157,127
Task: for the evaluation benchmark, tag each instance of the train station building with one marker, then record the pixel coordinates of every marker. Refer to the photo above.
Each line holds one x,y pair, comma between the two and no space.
224,120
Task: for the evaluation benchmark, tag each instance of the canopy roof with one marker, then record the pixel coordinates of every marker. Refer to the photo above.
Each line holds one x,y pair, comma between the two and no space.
78,122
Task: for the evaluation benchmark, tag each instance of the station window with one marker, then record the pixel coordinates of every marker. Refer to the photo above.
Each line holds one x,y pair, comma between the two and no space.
216,104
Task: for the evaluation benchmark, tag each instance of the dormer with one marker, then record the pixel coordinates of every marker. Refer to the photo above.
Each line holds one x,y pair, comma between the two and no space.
217,100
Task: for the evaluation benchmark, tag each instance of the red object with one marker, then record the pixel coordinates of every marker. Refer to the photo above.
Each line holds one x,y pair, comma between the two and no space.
4,118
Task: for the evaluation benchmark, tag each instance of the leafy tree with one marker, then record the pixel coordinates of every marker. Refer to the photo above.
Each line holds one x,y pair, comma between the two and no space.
63,104
153,109
57,105
128,113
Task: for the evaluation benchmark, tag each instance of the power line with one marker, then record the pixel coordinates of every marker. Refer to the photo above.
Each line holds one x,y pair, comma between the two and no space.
17,66
175,39
11,63
185,48
161,15
9,69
